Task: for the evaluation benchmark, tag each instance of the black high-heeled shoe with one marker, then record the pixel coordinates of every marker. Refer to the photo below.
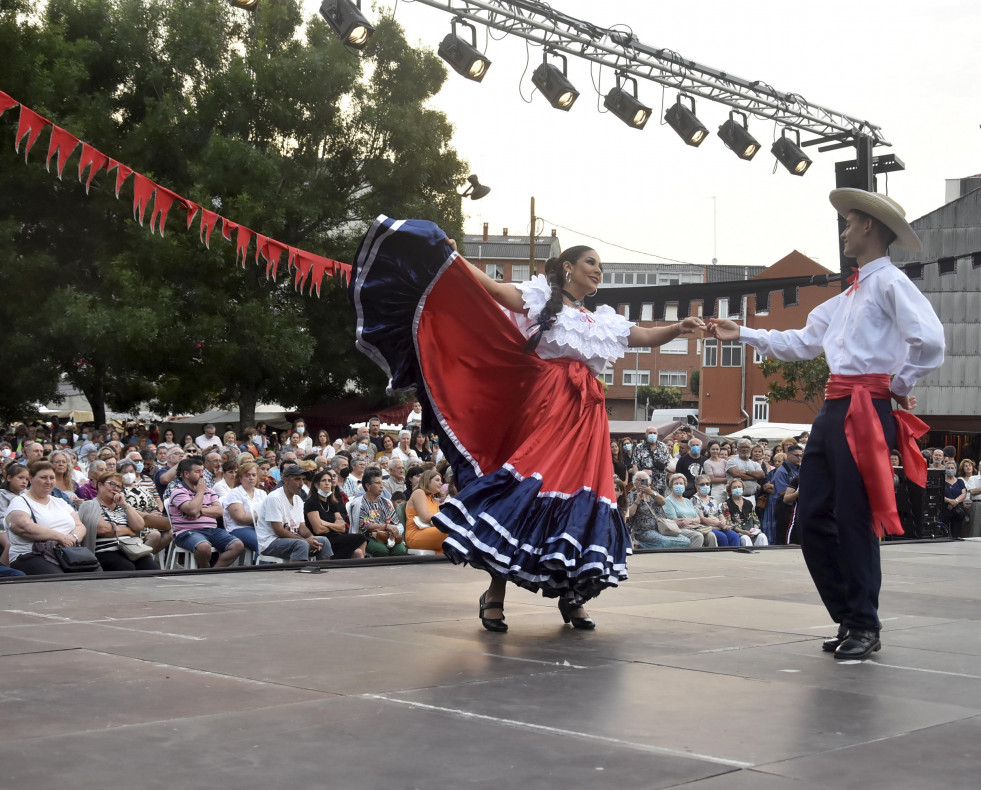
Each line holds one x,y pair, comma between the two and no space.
566,608
492,623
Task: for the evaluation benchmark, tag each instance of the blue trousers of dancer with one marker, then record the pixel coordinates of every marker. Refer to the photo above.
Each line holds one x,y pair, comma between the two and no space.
835,519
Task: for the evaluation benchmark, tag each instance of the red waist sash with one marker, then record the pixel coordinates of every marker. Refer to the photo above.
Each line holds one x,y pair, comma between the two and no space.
868,444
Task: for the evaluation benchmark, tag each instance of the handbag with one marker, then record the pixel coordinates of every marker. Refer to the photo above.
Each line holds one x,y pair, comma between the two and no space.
669,527
131,546
77,559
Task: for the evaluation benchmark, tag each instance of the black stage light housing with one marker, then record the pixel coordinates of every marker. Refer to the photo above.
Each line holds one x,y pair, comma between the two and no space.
789,154
476,190
737,138
625,105
347,21
684,122
464,57
554,84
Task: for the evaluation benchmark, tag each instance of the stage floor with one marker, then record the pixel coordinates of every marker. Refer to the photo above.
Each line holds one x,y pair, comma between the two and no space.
705,672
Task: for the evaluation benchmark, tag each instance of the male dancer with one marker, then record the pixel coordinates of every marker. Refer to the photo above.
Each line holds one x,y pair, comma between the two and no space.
881,326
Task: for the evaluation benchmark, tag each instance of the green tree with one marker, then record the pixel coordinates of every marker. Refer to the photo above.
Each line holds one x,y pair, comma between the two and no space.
262,117
798,382
694,381
660,397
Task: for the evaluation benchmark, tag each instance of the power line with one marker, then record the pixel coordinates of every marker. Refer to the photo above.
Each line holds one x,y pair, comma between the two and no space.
614,244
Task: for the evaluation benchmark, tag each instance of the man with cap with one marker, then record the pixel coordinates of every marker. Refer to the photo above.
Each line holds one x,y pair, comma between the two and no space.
881,326
281,528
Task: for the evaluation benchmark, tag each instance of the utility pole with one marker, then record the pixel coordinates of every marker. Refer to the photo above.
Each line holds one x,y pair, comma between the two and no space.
531,240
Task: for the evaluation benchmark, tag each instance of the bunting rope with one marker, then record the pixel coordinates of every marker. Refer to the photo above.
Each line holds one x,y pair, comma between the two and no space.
309,269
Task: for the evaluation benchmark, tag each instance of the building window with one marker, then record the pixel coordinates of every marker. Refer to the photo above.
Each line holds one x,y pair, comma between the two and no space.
628,278
761,409
607,278
641,378
677,346
671,312
519,272
624,311
647,312
757,356
673,378
639,350
710,355
618,278
495,271
607,377
732,354
722,307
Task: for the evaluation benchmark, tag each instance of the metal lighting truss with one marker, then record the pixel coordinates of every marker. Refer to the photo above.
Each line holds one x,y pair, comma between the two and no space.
622,52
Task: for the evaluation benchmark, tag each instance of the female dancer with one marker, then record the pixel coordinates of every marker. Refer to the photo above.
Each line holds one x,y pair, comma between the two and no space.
512,394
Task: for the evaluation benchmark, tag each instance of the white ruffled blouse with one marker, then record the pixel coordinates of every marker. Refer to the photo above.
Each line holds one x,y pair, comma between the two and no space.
593,338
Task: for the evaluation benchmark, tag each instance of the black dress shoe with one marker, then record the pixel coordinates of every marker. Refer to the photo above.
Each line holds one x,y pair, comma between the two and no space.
495,624
830,645
566,608
859,645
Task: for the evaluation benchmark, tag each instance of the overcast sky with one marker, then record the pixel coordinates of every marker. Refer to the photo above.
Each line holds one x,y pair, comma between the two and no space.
911,68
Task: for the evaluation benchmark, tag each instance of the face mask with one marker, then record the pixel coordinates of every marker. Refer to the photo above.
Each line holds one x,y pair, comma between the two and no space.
323,494
737,492
85,436
62,441
704,490
301,430
139,467
652,437
695,449
951,473
628,447
678,489
363,448
6,452
129,478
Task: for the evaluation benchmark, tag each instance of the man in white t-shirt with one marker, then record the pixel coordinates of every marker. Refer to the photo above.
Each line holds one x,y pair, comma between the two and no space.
403,452
744,468
281,527
208,440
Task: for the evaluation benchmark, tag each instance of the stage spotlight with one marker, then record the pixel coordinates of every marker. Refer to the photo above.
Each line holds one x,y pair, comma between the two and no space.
789,154
554,84
248,5
476,190
684,122
465,58
347,21
625,105
737,137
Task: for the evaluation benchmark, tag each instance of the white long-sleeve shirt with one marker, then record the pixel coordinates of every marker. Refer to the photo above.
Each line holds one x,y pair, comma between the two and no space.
884,326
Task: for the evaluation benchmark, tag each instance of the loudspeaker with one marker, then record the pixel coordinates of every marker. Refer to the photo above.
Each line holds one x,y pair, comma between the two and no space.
920,508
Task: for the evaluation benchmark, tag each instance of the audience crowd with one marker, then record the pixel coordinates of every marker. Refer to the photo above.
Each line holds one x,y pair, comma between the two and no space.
124,499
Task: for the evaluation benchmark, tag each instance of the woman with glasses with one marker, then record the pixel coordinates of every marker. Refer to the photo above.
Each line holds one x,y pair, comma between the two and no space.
325,515
110,517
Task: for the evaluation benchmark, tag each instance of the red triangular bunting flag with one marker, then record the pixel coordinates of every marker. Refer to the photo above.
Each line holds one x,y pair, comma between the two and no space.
161,206
208,220
243,239
122,173
192,210
6,102
260,250
227,227
302,261
143,189
63,144
91,158
31,124
345,269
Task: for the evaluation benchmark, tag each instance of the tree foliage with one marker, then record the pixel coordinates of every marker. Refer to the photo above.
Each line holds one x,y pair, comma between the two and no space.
261,116
660,397
798,382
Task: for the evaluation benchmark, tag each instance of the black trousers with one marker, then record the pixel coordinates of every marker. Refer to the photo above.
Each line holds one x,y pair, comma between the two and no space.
835,519
117,561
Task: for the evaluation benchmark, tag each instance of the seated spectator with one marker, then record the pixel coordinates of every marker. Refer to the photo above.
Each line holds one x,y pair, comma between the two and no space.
64,479
37,522
156,531
168,440
265,480
683,512
953,514
373,516
249,444
415,415
744,468
741,515
230,443
91,489
387,448
241,506
715,467
412,475
649,526
207,440
710,512
15,482
212,468
325,515
32,451
324,448
165,480
352,484
306,443
106,518
194,511
419,443
396,476
404,452
972,482
281,528
422,505
228,479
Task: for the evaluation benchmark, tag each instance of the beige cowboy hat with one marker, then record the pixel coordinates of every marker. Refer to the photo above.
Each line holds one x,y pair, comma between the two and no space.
880,207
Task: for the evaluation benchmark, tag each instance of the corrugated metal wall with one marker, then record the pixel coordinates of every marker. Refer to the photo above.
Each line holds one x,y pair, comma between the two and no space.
953,231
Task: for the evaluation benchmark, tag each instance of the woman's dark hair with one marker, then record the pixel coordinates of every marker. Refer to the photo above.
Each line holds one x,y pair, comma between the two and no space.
315,485
370,476
11,471
555,274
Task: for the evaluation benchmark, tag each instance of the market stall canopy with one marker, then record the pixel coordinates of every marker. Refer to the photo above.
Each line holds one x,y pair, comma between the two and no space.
272,414
771,431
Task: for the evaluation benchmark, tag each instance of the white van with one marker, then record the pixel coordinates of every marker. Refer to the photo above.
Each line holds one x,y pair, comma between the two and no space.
661,416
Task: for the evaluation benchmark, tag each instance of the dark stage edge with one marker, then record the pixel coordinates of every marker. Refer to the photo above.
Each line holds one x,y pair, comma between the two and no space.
705,672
